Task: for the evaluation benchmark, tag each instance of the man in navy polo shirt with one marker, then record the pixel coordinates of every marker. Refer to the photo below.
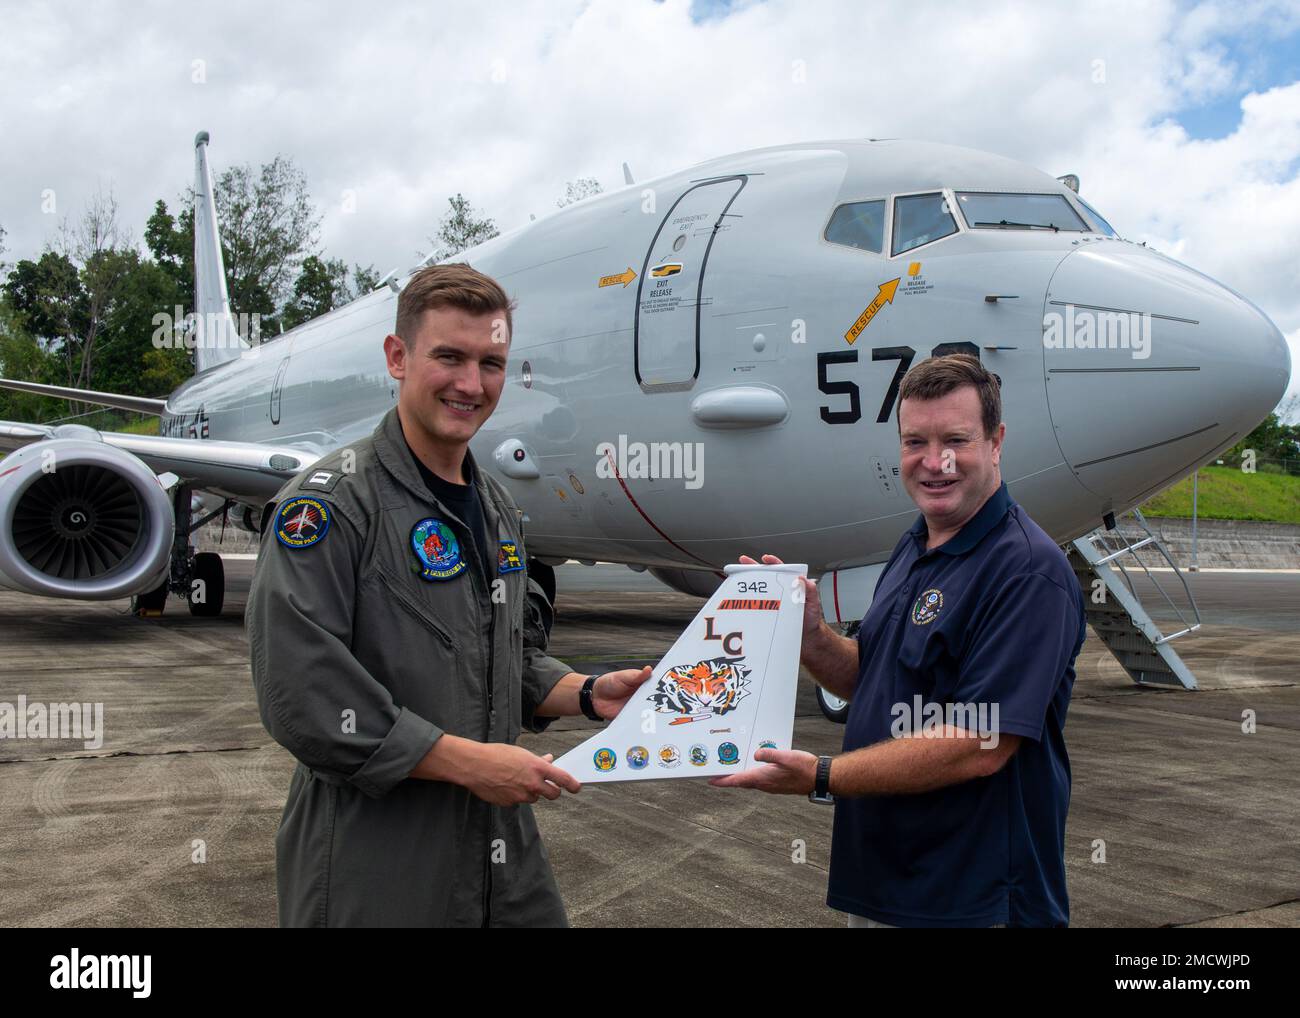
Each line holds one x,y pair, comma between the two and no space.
952,790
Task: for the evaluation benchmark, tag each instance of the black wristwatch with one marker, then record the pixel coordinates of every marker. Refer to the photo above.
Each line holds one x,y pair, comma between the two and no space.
585,702
822,784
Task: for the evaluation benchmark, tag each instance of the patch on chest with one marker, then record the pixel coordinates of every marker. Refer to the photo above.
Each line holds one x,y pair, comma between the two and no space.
927,607
437,550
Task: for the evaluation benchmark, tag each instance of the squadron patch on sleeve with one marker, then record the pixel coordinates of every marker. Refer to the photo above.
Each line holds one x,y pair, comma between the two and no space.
302,522
437,550
508,558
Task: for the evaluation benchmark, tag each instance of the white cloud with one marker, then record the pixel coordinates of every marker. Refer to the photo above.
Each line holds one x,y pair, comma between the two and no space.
405,105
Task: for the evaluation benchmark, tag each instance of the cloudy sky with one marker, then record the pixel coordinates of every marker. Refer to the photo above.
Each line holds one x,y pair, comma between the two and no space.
1181,119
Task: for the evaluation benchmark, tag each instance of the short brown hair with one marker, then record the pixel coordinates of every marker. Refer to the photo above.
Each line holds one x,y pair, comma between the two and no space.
938,376
456,285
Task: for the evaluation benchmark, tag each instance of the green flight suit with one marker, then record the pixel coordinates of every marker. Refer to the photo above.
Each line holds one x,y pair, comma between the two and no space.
362,658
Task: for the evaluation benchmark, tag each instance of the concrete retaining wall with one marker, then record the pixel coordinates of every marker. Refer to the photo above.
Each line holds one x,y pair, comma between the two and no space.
237,541
1227,544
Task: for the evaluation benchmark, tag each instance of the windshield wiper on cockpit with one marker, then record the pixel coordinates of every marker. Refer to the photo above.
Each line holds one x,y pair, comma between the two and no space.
1023,226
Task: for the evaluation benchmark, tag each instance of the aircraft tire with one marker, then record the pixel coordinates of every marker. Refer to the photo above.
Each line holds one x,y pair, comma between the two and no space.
545,577
151,602
209,568
832,707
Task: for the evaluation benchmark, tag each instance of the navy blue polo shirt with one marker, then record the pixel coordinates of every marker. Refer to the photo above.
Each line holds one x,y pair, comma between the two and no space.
991,620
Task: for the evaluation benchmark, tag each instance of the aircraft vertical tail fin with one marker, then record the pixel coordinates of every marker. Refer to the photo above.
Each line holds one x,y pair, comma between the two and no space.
217,339
725,689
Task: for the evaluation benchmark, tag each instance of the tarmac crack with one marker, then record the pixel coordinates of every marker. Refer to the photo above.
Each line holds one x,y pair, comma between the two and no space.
1228,915
133,752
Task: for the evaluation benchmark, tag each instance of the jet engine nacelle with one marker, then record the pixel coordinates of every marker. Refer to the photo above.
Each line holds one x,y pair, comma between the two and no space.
699,582
80,519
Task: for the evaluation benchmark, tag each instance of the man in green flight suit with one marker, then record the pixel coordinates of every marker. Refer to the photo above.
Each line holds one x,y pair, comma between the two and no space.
397,653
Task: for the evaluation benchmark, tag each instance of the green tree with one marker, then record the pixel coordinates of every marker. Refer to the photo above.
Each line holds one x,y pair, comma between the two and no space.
89,307
48,294
461,228
106,256
323,285
22,357
127,360
364,279
1272,438
268,225
576,190
170,240
268,228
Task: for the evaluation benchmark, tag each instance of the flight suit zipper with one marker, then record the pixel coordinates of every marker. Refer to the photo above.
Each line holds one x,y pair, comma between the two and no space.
483,591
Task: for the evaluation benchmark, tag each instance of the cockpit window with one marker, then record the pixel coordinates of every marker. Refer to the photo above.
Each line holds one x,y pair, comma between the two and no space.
919,219
1019,212
860,225
1101,224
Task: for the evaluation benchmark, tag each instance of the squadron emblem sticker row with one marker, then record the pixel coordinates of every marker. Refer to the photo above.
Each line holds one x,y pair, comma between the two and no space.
669,756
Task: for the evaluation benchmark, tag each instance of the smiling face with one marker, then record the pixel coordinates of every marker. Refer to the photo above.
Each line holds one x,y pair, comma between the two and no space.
949,466
452,371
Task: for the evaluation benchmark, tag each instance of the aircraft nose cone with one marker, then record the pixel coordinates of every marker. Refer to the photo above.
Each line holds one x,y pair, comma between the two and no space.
1152,368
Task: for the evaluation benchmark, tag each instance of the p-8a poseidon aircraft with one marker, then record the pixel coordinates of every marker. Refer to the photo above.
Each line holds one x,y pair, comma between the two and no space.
703,365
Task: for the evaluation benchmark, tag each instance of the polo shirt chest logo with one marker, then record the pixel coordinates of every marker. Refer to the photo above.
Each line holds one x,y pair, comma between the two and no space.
437,550
927,607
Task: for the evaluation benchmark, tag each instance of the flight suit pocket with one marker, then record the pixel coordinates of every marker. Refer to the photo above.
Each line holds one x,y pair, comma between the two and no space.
412,652
415,607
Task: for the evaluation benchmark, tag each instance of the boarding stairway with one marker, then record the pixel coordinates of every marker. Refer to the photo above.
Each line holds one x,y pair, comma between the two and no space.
1119,620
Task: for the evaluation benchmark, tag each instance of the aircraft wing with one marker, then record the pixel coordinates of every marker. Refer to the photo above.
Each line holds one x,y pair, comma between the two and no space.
138,404
248,471
725,690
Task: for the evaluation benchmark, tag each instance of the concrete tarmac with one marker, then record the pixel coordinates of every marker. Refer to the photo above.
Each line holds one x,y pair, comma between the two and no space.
171,821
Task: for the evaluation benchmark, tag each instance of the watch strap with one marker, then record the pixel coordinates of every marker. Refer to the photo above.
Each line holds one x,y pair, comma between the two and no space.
585,701
822,782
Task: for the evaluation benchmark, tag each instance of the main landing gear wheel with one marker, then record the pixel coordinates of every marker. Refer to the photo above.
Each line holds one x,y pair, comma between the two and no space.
832,706
207,591
150,604
545,577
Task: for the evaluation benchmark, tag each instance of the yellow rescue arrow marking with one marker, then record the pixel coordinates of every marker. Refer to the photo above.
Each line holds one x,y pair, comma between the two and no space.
622,277
884,295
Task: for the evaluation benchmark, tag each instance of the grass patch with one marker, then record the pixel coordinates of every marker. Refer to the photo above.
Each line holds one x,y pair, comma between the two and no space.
1225,493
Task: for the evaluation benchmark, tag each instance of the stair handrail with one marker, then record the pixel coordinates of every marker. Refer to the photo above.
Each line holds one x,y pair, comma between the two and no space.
1131,548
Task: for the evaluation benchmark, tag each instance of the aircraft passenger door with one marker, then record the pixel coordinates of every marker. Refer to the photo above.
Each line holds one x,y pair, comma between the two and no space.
670,291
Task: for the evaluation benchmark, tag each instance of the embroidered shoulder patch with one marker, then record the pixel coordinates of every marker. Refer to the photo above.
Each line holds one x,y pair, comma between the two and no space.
509,560
301,522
